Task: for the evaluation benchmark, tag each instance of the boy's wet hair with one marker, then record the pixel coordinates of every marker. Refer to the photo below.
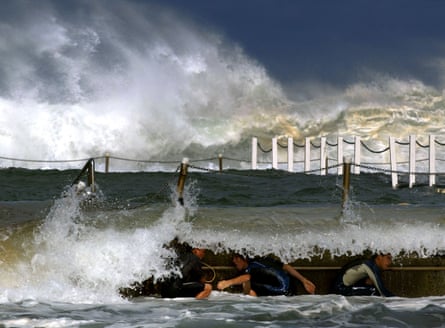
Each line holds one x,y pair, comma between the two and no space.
374,256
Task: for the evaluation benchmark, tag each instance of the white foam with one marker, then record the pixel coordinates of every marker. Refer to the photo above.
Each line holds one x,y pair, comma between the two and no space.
74,258
86,89
50,323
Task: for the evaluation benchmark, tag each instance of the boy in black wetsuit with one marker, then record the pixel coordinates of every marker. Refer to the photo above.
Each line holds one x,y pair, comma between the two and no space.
264,277
363,277
192,282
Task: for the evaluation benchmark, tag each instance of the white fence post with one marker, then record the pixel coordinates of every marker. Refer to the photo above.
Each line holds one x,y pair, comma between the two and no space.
412,160
254,153
307,155
432,166
274,153
432,169
357,154
323,156
340,155
290,154
393,160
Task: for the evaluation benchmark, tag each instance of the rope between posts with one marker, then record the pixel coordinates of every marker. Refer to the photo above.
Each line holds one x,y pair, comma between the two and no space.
323,168
140,160
214,158
335,144
364,166
389,171
227,173
374,151
371,168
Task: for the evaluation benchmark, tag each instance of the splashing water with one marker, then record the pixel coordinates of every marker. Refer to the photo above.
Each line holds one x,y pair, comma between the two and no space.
137,81
77,256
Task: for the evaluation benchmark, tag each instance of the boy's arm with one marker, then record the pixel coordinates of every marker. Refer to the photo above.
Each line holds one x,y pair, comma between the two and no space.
223,284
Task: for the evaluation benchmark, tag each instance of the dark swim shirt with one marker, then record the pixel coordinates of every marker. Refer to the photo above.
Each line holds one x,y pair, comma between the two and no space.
267,278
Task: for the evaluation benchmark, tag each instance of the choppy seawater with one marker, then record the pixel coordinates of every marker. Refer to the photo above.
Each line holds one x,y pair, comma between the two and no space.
224,310
62,263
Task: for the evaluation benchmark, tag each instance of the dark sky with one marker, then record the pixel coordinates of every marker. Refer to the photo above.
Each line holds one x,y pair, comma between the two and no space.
334,42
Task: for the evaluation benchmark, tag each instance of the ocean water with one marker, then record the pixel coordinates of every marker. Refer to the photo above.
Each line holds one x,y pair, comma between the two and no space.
149,87
63,261
224,310
84,88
